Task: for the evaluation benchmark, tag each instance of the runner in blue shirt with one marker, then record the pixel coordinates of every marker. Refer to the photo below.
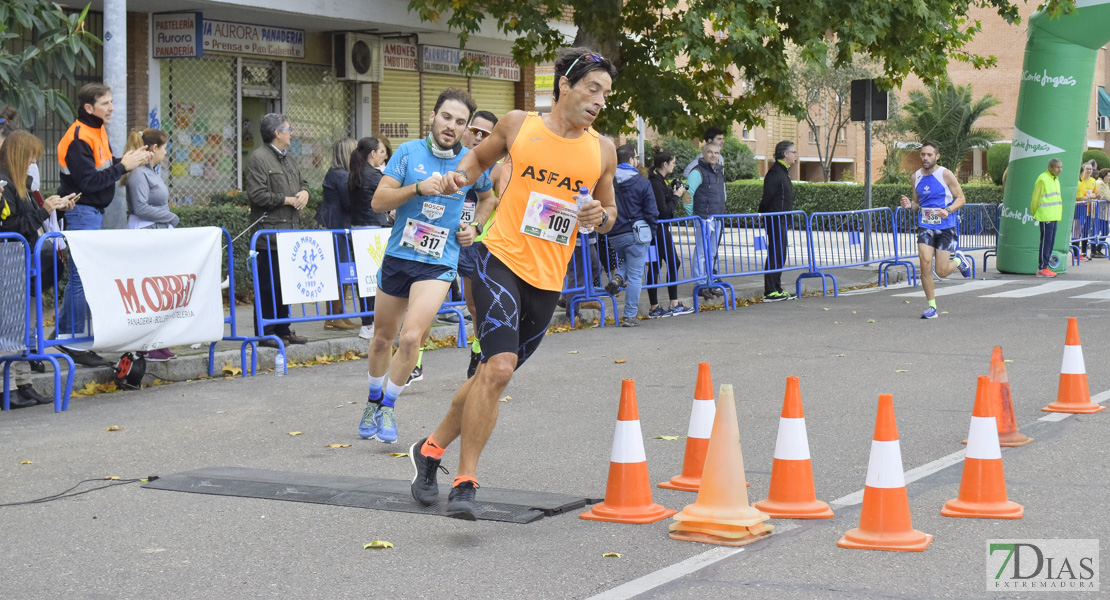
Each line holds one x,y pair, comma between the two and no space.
421,256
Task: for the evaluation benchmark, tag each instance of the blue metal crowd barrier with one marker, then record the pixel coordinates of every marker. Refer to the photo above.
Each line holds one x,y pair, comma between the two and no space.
231,321
1088,227
264,241
852,239
758,244
579,284
978,230
26,277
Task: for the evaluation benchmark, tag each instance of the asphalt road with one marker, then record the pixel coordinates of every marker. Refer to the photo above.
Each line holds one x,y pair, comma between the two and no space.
555,434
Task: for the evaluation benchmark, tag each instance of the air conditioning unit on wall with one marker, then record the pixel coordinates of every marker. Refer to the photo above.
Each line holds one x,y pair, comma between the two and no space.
1103,123
358,57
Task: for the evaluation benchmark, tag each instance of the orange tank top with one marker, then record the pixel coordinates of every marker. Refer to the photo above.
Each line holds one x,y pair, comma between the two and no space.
536,227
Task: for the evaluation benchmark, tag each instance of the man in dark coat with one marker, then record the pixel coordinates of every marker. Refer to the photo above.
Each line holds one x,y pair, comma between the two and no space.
778,197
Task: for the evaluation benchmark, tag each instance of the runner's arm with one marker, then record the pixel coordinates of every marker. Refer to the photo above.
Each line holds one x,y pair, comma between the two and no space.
391,194
491,150
487,202
957,192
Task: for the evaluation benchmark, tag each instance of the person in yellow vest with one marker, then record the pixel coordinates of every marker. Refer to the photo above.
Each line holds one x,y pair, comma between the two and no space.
89,170
1086,192
1047,210
521,265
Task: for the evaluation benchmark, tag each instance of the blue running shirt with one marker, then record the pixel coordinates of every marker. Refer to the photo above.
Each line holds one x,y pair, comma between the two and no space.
933,193
425,226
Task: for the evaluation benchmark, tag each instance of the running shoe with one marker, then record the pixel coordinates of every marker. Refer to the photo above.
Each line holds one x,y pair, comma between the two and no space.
425,489
460,502
680,309
475,360
930,313
1045,273
371,417
658,313
965,264
777,297
387,427
629,322
367,332
416,375
448,318
158,355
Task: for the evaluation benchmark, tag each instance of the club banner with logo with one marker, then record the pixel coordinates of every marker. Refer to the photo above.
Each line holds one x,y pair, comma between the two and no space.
306,266
369,245
150,288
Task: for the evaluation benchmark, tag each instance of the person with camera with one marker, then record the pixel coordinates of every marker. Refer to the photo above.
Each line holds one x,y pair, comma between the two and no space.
630,237
667,198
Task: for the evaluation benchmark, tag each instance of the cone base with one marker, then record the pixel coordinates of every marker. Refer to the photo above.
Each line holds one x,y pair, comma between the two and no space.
911,541
1013,440
706,538
641,515
794,510
982,510
1079,408
681,483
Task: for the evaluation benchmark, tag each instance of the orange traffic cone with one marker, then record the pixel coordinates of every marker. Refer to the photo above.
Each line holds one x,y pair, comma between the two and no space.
1003,407
983,487
884,522
628,493
792,495
1074,395
697,436
721,515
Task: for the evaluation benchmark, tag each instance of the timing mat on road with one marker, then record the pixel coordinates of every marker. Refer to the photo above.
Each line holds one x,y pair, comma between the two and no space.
509,506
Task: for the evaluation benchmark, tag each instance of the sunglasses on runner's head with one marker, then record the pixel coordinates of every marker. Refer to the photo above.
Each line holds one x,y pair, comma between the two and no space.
478,131
590,56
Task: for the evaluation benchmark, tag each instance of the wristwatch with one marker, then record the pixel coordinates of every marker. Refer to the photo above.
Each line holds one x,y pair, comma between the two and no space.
604,218
477,226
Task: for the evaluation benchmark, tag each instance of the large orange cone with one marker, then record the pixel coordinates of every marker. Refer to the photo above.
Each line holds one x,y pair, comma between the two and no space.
697,435
983,487
1008,435
884,521
721,515
792,495
628,493
1074,395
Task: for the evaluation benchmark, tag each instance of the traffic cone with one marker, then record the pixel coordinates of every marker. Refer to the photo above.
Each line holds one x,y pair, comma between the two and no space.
721,514
697,435
1074,395
628,493
983,487
1003,407
884,521
792,495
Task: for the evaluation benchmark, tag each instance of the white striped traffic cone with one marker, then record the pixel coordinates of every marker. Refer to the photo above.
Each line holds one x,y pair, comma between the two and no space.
697,435
628,493
1074,395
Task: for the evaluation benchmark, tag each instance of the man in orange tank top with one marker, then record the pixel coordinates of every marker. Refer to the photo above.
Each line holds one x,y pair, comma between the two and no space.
521,266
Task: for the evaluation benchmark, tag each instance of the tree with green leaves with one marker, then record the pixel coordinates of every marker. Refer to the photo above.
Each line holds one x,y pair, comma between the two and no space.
825,92
892,134
681,65
53,44
946,114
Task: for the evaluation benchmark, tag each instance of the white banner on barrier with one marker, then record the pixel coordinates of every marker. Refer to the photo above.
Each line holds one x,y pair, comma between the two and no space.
150,288
369,245
306,265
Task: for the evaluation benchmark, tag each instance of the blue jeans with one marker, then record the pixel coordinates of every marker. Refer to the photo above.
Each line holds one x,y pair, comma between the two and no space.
74,313
1048,240
711,234
634,255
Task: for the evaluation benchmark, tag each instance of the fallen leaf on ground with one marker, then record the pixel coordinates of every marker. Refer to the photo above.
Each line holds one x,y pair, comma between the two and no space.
26,462
398,454
506,398
114,428
323,360
339,445
899,370
669,438
112,477
611,555
1007,360
573,352
905,302
824,309
377,545
853,312
295,432
871,320
620,361
840,355
836,322
231,370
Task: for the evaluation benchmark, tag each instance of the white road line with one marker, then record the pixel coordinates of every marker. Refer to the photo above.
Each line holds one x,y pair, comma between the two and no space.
697,562
1036,290
968,286
1099,295
655,579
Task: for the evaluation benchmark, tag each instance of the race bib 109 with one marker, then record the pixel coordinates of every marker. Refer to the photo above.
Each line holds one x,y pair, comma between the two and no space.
549,218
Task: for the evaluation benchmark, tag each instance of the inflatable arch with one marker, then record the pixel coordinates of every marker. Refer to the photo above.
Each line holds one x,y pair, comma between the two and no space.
1054,103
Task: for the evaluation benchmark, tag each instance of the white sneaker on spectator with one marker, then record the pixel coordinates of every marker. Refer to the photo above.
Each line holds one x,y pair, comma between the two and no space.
367,332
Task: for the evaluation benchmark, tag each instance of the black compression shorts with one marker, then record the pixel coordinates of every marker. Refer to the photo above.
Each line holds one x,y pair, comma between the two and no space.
513,315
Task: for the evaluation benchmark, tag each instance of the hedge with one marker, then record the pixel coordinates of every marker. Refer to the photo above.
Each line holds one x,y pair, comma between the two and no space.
744,196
